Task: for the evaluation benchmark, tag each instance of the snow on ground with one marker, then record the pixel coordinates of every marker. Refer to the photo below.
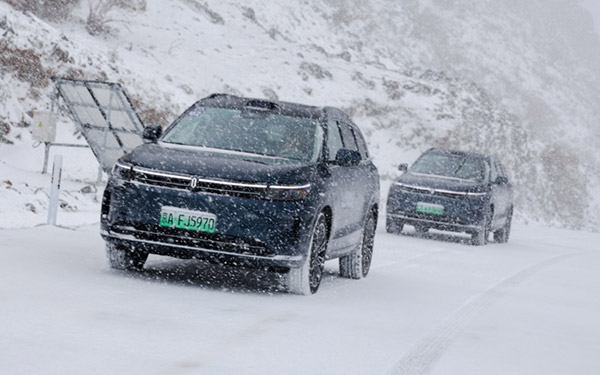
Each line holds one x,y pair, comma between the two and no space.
430,305
24,190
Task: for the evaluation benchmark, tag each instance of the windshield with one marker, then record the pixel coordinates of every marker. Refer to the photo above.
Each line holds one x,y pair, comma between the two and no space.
256,132
449,165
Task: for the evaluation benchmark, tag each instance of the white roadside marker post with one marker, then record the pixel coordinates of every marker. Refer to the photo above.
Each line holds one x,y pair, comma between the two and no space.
55,189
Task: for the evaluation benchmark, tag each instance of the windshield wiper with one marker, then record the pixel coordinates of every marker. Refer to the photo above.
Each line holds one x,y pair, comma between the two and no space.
463,162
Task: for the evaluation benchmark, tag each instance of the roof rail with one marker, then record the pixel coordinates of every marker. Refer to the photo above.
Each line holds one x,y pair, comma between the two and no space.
217,95
261,104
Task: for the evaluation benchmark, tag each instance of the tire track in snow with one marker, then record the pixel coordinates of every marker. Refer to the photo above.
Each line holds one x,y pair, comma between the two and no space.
228,344
422,357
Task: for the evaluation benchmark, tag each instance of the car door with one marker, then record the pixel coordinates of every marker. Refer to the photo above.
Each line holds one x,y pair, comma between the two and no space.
340,190
500,194
354,196
505,190
368,177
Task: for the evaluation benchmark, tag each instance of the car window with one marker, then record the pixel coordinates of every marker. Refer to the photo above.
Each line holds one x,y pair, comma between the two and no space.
257,132
362,145
501,169
334,139
493,171
348,137
450,165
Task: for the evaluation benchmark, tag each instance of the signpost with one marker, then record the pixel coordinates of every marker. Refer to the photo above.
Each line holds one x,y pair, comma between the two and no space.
55,189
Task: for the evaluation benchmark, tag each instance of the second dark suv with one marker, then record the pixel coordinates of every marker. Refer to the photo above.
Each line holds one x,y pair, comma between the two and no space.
249,182
454,191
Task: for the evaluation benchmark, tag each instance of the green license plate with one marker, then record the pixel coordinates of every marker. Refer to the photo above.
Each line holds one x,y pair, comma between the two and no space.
430,208
174,217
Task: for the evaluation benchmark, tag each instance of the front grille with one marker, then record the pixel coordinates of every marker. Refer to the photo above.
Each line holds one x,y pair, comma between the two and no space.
200,240
160,179
176,181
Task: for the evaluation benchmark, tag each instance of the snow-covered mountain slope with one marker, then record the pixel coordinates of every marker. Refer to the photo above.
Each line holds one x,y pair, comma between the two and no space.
516,79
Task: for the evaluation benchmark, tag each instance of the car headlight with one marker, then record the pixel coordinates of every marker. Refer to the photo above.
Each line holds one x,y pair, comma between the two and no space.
122,171
287,193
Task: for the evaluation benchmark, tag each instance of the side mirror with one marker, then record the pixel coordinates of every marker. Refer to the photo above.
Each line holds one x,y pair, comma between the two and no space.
501,180
403,167
347,157
152,133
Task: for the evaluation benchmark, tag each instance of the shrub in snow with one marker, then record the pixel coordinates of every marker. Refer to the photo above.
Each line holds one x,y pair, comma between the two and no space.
25,64
4,130
54,10
101,11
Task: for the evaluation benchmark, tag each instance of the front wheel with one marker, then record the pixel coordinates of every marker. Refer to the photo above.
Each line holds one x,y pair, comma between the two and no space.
501,235
307,278
393,226
421,229
122,258
357,264
480,236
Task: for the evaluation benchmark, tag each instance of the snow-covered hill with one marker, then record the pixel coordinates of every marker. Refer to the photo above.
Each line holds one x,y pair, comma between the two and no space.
518,79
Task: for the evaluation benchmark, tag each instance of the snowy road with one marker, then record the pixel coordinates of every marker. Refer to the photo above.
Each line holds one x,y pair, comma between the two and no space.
429,306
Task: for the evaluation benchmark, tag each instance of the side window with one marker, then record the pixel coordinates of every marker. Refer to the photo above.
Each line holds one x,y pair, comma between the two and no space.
362,145
493,171
501,169
348,137
334,139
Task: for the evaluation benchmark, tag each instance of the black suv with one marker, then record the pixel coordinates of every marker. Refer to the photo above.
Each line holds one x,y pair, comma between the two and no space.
454,191
247,182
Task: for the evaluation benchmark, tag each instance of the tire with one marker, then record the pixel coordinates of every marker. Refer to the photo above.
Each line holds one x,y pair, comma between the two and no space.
357,264
421,229
480,237
501,235
122,258
393,225
306,279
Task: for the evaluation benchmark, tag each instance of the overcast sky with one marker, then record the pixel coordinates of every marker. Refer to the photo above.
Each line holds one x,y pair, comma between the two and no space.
594,7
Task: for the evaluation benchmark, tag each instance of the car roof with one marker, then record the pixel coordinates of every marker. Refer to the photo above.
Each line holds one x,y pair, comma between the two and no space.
239,102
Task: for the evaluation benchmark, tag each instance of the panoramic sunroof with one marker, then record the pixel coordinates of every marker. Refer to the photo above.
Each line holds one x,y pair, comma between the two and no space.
105,116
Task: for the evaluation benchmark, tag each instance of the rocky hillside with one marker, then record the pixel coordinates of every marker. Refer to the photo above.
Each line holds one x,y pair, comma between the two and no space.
518,79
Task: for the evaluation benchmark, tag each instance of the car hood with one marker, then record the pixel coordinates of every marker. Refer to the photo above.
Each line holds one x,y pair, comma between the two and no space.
441,183
224,166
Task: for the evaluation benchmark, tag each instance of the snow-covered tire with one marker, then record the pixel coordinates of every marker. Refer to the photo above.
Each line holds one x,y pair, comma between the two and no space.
357,264
122,258
306,279
501,235
421,229
393,225
480,236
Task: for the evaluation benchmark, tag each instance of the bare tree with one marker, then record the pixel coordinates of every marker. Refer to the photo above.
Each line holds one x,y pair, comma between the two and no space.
101,13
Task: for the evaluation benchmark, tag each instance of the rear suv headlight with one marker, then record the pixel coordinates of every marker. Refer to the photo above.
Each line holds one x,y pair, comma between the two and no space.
122,171
287,193
476,195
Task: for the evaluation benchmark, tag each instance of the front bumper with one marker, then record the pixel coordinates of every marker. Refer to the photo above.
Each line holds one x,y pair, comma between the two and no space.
461,213
182,247
249,231
436,224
